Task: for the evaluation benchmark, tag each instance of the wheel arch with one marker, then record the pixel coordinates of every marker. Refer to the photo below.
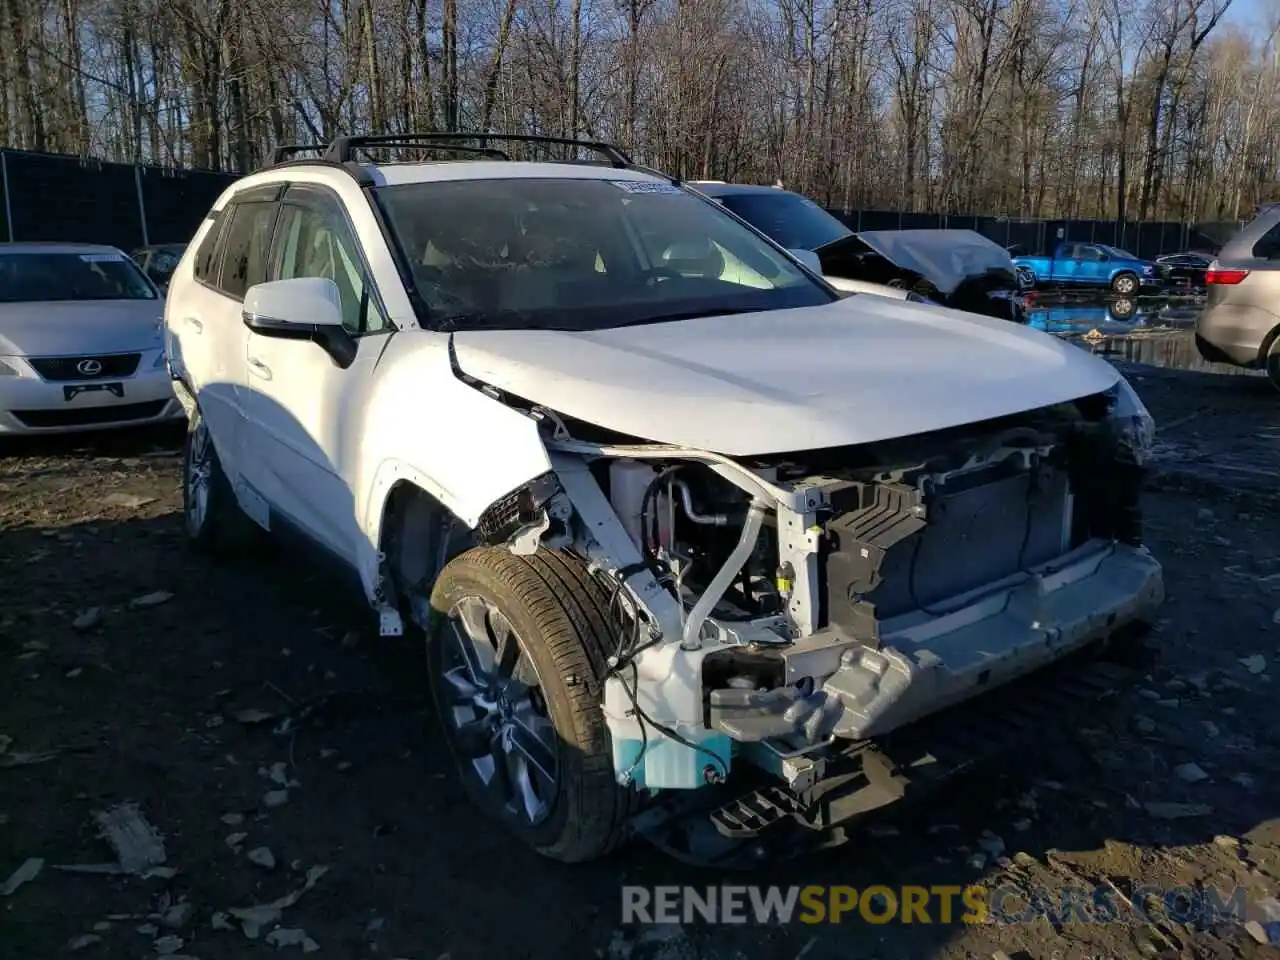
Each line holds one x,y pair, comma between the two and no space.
1268,341
406,495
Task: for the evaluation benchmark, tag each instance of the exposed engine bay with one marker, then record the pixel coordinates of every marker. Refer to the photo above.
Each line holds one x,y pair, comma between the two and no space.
771,607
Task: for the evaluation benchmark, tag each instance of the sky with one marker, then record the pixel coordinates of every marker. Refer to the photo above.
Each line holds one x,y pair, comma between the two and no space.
1247,13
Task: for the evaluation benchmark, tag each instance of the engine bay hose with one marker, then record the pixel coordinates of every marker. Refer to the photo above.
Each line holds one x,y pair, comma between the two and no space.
692,637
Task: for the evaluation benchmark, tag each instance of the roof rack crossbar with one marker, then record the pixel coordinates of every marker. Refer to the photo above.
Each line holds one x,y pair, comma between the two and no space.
341,148
492,152
286,150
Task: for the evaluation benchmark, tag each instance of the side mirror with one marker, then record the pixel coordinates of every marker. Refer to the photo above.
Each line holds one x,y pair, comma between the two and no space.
809,259
303,308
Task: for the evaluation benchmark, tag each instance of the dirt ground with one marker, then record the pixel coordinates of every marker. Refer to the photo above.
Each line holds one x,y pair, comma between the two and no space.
251,707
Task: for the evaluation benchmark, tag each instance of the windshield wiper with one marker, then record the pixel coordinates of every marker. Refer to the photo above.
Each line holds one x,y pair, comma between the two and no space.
689,315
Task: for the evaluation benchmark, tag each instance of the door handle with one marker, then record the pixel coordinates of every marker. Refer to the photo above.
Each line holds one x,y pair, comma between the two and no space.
259,368
194,322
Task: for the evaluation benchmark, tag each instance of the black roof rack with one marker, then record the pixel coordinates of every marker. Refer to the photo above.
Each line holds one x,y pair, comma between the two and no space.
341,149
284,151
408,141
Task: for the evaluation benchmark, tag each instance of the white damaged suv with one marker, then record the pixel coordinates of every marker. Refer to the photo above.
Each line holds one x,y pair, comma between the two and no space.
689,533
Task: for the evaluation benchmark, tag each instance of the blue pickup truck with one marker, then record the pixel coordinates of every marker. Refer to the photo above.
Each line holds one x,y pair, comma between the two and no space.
1088,264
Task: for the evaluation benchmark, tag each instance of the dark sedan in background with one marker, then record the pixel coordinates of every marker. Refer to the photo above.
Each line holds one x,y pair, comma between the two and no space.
1184,269
955,268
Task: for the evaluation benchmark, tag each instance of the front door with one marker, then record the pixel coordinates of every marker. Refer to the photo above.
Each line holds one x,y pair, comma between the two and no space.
301,407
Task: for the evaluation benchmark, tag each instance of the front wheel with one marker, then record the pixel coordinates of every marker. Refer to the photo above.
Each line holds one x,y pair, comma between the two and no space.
516,654
1125,284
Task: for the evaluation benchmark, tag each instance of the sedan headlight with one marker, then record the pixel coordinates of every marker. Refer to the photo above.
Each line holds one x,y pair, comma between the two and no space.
1135,428
7,369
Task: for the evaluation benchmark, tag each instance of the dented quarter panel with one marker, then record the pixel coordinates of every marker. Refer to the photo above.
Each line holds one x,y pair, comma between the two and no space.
464,448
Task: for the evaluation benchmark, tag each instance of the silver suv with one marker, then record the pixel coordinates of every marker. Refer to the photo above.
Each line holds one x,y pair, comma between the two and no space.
1241,321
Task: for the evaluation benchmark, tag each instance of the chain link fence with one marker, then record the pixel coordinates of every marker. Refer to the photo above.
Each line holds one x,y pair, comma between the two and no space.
52,197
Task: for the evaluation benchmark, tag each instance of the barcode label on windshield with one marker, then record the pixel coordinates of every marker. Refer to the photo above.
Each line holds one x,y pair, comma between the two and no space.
101,257
645,186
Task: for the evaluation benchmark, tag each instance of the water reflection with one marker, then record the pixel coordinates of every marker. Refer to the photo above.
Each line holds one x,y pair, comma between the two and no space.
1155,332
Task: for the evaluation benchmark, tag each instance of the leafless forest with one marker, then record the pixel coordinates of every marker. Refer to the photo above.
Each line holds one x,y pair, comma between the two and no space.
1139,109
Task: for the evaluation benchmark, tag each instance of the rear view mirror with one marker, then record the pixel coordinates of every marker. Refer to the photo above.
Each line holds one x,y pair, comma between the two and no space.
809,259
303,308
292,308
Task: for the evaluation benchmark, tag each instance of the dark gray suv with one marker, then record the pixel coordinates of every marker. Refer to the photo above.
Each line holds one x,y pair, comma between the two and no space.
1241,321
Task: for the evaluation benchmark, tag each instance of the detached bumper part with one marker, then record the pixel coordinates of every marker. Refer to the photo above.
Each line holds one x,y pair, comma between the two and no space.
839,687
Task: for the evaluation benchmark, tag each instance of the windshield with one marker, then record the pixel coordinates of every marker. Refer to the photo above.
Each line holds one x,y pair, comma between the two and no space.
582,254
38,277
789,219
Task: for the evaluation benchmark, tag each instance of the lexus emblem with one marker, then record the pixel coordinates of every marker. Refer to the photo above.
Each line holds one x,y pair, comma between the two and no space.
90,367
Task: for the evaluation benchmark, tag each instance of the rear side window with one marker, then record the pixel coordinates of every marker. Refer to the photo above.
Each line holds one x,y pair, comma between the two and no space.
247,244
205,267
1267,246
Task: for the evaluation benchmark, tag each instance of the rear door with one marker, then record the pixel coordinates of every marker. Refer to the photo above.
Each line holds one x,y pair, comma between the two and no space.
208,316
1091,264
1065,267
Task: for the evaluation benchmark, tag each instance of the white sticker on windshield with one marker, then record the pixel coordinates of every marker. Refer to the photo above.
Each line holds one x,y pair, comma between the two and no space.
101,257
645,186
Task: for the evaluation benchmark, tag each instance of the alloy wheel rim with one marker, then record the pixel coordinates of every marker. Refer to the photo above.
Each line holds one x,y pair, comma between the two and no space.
199,470
496,713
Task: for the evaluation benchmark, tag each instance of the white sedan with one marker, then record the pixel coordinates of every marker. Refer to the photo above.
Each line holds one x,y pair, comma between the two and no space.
81,341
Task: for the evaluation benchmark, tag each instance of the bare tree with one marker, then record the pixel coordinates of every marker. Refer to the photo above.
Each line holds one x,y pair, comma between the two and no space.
1084,108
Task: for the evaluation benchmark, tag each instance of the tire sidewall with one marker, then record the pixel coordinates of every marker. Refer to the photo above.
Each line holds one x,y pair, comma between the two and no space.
201,533
1272,364
224,529
472,581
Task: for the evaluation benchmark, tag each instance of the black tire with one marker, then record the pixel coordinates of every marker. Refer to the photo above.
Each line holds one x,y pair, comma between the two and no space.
219,526
1125,284
559,614
1272,363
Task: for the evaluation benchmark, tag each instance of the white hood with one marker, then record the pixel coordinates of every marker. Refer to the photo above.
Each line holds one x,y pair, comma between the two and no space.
944,257
68,328
859,370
